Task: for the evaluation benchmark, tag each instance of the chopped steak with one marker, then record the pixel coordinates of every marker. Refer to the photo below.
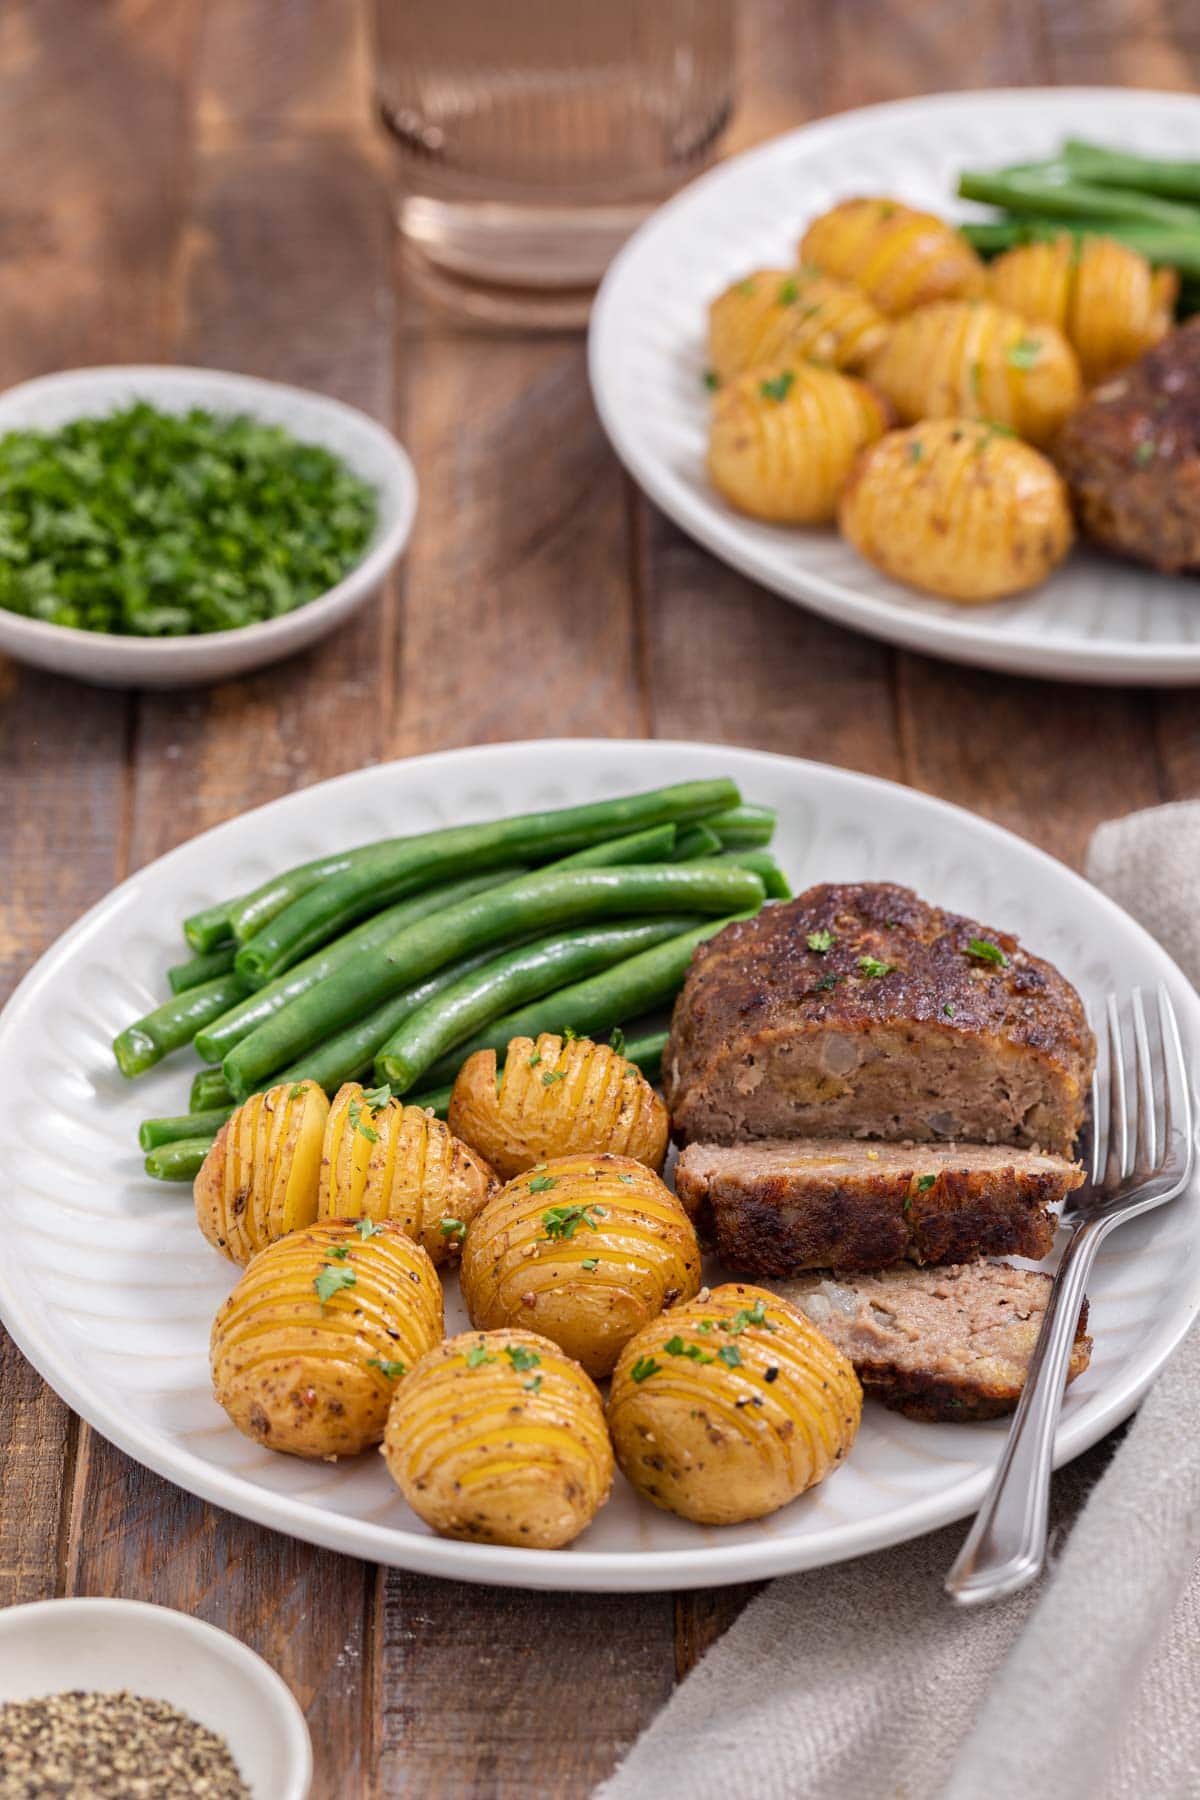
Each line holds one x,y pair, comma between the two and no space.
839,1203
938,1343
1131,456
861,1011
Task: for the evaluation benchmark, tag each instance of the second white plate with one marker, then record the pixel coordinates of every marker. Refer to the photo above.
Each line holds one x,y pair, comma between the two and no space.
1097,619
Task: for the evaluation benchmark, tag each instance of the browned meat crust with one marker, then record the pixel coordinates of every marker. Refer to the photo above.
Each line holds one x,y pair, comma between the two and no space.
897,1025
781,1208
939,1344
1131,456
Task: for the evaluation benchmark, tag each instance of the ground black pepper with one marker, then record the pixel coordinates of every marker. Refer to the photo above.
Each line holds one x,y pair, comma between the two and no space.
116,1746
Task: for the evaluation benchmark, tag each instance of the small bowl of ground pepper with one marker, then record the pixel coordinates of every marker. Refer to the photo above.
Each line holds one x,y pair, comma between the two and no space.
117,1700
161,527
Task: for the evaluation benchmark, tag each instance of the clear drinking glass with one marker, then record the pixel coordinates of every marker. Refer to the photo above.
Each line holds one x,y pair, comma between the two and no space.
533,135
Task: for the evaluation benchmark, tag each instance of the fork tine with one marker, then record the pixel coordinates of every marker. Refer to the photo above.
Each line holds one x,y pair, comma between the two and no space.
1177,1115
1146,1149
1117,1160
1100,1101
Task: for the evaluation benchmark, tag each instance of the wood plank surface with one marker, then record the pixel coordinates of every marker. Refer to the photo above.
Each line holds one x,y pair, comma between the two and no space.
205,184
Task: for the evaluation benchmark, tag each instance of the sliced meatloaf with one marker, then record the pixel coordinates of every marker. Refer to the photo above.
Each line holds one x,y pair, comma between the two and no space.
840,1203
948,1344
857,1010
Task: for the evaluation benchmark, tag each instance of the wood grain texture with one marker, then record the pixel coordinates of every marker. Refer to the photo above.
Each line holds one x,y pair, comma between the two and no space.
204,183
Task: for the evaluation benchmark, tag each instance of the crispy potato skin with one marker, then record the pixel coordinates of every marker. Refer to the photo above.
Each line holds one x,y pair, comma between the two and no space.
300,1374
556,1098
1106,299
973,360
586,1250
498,1438
957,510
400,1163
776,313
259,1180
783,440
900,258
720,1444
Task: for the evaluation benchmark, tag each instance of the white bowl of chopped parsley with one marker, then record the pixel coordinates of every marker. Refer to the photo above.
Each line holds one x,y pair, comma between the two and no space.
165,526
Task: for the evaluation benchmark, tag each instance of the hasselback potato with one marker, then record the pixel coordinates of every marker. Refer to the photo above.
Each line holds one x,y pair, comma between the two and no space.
259,1180
384,1160
959,509
555,1097
307,1350
729,1407
499,1437
584,1249
900,258
779,313
782,440
973,360
1106,299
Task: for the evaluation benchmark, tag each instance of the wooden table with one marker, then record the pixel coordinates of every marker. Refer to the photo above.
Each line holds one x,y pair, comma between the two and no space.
202,183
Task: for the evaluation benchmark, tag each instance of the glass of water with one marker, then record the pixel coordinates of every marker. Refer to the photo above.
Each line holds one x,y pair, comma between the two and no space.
532,136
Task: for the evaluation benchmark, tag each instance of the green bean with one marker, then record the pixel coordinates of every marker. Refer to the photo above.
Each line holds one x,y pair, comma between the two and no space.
657,844
1159,245
516,976
741,827
217,1039
1041,194
398,866
190,974
174,1023
519,909
209,1089
1120,168
245,914
627,991
696,840
765,866
204,931
152,1133
179,1161
645,1051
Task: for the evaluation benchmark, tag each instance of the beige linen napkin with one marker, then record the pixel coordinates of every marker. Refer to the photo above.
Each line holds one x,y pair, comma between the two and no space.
863,1680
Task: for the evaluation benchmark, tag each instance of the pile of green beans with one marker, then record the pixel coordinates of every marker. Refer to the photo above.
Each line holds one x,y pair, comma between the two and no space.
393,961
1152,204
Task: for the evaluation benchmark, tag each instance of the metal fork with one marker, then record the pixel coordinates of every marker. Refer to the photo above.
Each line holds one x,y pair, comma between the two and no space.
1142,1154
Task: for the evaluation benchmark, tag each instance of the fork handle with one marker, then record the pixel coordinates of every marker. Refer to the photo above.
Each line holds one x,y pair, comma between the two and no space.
1006,1545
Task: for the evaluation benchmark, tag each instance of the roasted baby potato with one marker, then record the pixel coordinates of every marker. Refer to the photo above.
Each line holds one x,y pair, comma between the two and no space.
307,1350
971,360
959,509
384,1160
783,440
1106,299
499,1438
899,257
728,1407
259,1180
779,313
553,1098
584,1249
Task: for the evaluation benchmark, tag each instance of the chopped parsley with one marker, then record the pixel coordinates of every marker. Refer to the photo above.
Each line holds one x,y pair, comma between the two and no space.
748,1315
826,983
298,1092
534,1386
1024,353
359,1124
789,293
535,1059
377,1097
331,1281
453,1228
1145,452
151,524
873,969
565,1221
627,1179
644,1367
676,1347
477,1355
777,387
340,1251
522,1358
983,951
590,1262
553,1075
821,941
925,1182
393,1370
616,1040
368,1229
916,450
541,1184
730,1355
948,1009
711,380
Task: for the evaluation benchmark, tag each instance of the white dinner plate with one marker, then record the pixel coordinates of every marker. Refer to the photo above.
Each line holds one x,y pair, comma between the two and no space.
1096,619
109,1289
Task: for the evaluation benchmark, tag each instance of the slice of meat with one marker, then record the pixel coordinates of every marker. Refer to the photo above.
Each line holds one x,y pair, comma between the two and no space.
861,1011
949,1344
839,1203
1131,456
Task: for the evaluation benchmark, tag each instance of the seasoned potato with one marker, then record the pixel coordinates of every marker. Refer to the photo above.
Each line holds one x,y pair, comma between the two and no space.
959,509
1106,300
777,313
899,257
384,1160
783,440
555,1097
584,1249
307,1350
971,360
500,1438
728,1407
259,1180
